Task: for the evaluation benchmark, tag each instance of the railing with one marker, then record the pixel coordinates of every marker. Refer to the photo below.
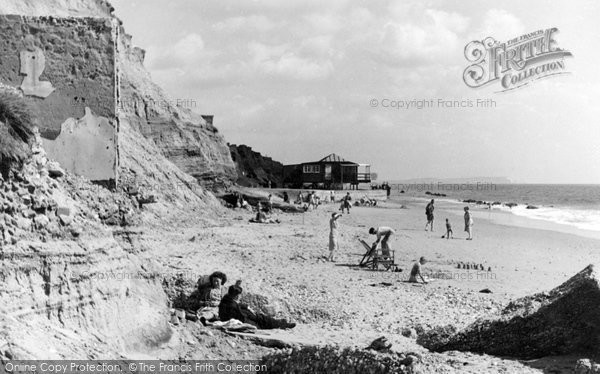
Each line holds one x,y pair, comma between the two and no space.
363,177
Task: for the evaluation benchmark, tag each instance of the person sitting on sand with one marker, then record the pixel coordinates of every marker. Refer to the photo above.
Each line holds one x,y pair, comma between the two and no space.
261,217
209,296
429,213
448,229
468,223
385,233
333,236
346,203
230,307
416,271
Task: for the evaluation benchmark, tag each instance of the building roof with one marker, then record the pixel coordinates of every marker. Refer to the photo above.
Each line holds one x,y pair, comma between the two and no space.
335,158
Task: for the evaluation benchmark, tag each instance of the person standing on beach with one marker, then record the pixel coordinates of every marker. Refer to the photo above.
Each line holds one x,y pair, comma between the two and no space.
429,213
332,196
346,202
385,233
333,236
468,223
416,271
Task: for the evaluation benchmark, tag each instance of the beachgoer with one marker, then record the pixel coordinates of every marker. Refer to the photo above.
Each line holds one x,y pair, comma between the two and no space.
270,203
429,213
332,196
299,199
261,217
333,236
209,296
468,223
286,197
416,271
230,307
448,229
346,203
385,233
314,200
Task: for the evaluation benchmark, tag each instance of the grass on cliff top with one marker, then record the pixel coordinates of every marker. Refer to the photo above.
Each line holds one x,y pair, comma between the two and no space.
15,129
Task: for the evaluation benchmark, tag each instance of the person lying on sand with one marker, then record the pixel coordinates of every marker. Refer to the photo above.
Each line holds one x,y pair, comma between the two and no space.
231,308
416,271
385,233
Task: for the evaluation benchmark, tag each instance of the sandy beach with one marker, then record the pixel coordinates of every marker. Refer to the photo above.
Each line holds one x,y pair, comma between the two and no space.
342,304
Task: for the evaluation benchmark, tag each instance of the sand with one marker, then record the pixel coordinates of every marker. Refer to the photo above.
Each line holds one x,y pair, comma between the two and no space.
340,303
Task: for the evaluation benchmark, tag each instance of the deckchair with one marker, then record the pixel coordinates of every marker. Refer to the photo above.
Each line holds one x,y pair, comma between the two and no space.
375,258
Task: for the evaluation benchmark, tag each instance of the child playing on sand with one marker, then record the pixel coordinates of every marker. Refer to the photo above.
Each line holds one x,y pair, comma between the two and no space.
416,271
333,236
448,229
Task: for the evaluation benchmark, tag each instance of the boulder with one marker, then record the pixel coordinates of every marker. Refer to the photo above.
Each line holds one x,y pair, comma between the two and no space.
54,169
563,321
41,221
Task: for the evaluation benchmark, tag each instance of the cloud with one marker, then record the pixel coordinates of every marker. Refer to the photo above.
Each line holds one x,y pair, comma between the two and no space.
284,61
186,51
501,25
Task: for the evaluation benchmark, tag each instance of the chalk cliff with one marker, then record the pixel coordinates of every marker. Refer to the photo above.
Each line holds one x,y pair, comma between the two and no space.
74,285
183,137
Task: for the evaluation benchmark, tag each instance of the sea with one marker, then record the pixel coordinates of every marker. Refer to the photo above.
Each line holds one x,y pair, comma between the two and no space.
575,205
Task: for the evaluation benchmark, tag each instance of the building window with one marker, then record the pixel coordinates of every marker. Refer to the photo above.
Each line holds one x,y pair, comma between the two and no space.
314,169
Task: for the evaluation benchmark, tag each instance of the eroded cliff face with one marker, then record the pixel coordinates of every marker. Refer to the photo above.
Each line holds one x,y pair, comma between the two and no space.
255,169
184,137
72,285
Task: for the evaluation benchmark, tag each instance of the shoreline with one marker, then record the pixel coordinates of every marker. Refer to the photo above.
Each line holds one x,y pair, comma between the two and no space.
501,216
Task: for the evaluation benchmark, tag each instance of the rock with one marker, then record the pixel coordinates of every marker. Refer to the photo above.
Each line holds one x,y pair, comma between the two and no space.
532,207
54,169
485,290
53,228
24,223
380,344
409,333
41,221
65,220
564,321
29,213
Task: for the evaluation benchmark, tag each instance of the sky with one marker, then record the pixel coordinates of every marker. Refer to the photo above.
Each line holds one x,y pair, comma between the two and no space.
298,80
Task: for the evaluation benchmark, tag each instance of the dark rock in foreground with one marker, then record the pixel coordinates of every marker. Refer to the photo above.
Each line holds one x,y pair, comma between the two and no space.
334,360
565,320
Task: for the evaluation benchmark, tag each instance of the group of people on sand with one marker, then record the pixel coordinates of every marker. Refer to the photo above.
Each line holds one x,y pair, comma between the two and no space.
213,302
449,234
383,235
